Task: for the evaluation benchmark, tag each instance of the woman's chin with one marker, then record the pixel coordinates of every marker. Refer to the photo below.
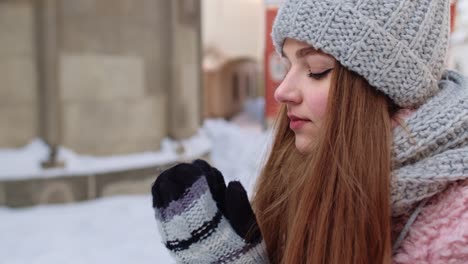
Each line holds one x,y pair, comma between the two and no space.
303,145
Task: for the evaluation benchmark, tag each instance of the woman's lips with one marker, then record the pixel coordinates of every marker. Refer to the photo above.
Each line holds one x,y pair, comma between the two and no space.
296,122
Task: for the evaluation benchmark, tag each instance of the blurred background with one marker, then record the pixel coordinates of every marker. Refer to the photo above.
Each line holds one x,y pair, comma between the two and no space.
97,97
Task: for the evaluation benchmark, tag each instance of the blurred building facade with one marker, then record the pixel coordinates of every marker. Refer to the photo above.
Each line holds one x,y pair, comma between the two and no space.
99,76
459,48
232,56
228,83
236,28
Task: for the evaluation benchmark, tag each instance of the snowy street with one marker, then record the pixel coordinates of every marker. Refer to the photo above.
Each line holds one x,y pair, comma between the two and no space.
120,229
110,230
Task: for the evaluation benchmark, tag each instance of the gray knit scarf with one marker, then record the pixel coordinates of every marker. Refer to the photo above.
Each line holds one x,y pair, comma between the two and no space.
432,151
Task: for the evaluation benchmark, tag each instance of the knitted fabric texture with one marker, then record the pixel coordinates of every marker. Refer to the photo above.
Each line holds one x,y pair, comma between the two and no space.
398,46
196,232
432,150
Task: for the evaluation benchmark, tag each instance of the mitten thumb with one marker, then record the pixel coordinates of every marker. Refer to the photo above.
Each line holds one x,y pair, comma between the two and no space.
240,214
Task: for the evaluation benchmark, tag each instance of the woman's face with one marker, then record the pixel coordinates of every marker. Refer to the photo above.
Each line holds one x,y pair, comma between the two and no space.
304,90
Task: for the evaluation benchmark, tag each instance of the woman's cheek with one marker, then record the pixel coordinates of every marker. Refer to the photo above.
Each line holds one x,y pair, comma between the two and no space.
317,104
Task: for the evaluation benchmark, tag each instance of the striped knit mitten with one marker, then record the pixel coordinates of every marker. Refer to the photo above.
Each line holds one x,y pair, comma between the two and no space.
201,221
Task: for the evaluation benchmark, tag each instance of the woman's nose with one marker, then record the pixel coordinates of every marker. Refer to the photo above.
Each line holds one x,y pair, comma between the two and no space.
287,92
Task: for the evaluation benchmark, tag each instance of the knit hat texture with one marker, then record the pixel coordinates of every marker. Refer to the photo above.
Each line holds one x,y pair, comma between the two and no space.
398,46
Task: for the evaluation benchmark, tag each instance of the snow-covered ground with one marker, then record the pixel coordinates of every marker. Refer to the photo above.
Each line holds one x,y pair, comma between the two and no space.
110,230
120,229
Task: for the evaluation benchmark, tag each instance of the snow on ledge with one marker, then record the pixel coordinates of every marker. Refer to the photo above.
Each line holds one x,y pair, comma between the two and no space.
25,162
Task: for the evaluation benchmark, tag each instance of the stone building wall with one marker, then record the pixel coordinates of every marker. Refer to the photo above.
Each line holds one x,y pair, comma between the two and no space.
101,77
18,76
115,74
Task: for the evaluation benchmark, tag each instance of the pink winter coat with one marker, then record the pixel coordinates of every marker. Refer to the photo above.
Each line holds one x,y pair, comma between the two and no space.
440,232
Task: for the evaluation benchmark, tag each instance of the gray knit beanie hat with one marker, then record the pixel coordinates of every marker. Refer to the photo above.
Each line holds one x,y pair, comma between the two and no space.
398,46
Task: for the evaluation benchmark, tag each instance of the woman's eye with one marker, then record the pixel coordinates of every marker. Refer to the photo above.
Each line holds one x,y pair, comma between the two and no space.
319,75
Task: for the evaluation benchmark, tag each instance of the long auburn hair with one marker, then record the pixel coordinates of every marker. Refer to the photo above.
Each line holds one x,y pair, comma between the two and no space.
331,206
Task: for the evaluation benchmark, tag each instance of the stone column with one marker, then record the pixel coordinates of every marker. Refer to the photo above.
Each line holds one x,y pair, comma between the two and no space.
185,91
47,61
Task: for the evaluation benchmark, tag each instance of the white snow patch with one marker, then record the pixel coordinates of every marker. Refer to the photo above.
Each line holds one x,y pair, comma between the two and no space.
238,153
25,162
110,230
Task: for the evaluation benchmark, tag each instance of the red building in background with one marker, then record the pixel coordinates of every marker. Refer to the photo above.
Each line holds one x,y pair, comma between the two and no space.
453,13
274,69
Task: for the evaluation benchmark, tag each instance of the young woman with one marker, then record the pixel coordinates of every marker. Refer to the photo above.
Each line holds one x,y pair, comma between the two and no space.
370,158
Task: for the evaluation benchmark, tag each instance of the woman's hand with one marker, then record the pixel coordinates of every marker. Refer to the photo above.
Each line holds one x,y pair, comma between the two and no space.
203,221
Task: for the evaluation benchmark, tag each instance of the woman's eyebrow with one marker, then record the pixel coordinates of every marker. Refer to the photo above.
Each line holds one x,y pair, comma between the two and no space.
303,52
